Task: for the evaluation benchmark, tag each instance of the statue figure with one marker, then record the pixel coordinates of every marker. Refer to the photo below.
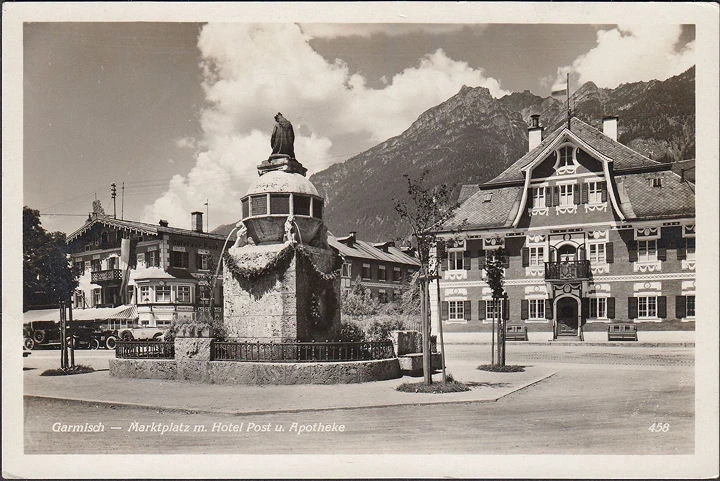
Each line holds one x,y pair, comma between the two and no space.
290,230
241,237
283,138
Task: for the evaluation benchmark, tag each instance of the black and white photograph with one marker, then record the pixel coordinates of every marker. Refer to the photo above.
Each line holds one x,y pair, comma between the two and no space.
360,239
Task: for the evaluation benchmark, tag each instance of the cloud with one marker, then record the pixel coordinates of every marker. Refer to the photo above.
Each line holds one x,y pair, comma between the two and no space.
250,72
186,143
337,30
632,53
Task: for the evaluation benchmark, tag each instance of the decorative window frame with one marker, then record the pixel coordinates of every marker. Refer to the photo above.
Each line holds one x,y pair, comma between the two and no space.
459,311
647,233
595,206
567,169
493,243
541,209
648,265
598,267
688,230
535,242
648,289
594,298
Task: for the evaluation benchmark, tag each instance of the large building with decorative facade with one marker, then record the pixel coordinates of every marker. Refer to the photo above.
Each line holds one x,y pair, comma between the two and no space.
590,231
166,272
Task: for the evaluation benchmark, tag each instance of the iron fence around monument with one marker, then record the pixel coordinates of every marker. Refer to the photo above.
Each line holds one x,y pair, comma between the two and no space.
301,351
145,350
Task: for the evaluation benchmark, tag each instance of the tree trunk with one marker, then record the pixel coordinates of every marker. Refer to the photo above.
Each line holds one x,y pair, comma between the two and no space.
63,340
440,331
426,333
72,343
492,340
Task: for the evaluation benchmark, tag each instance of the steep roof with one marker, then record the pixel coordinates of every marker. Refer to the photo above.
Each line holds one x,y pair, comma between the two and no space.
142,227
674,198
487,208
466,191
624,158
366,250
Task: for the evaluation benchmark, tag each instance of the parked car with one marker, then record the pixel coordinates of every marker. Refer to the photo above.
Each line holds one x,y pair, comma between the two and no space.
140,333
41,333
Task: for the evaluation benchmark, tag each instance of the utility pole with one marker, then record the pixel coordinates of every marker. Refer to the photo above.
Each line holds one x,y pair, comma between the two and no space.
113,194
207,215
122,202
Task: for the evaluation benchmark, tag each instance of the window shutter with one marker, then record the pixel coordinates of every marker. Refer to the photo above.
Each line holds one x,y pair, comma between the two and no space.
662,306
633,253
661,250
581,254
680,307
445,311
466,260
506,260
482,309
609,253
681,253
603,192
548,197
524,309
548,309
506,309
198,262
576,193
611,307
632,307
481,259
584,308
467,308
585,191
388,273
525,256
556,195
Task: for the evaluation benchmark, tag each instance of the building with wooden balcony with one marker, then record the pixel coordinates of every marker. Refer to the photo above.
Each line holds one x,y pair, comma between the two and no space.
590,231
166,272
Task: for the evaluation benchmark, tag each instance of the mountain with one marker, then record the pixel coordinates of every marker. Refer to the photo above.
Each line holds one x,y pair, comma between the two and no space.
471,137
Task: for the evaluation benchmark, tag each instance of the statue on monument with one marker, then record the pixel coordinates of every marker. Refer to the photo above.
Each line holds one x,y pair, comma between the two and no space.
242,235
283,138
290,230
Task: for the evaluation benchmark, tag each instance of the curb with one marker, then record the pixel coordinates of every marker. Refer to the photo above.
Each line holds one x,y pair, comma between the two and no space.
284,411
581,343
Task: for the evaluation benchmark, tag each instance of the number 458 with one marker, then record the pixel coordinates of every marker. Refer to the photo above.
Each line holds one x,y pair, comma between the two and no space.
659,427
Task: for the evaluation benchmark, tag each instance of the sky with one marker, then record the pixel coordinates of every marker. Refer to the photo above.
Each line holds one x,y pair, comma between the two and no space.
181,113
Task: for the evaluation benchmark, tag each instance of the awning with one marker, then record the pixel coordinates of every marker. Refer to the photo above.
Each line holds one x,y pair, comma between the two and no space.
96,313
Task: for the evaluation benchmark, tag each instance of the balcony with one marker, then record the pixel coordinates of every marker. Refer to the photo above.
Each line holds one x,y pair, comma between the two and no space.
565,271
108,276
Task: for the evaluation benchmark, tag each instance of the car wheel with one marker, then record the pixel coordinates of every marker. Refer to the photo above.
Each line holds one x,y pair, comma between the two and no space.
94,344
111,342
39,336
29,343
126,336
157,336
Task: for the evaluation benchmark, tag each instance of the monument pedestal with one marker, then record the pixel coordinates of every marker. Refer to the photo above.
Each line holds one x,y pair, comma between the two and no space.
287,303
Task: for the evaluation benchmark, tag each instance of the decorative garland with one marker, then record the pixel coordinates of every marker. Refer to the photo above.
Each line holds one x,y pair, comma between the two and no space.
306,256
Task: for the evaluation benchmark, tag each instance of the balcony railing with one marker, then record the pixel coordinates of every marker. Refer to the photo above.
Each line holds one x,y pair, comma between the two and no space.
145,350
567,270
302,351
106,276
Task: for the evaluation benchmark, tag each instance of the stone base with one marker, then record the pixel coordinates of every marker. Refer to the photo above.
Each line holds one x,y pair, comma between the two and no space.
412,364
233,372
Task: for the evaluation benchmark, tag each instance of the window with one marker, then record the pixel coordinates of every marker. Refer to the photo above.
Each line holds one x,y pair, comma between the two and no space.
690,306
397,274
301,205
347,269
536,308
145,294
537,256
491,312
455,260
140,258
95,265
153,259
382,273
487,197
97,297
317,208
565,157
179,259
79,298
647,307
365,271
597,254
539,197
183,294
204,262
204,293
594,192
112,263
566,194
690,248
279,203
456,310
382,296
162,294
657,182
598,308
647,251
79,267
259,204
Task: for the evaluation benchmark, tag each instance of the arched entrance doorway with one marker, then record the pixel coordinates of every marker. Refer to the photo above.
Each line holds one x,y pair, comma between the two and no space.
567,316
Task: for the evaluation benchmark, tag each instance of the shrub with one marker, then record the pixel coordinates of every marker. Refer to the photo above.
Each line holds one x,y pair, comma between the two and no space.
78,369
380,330
359,302
351,332
434,388
498,368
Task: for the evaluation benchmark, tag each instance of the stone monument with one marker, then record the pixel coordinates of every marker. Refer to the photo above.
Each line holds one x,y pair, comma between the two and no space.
280,278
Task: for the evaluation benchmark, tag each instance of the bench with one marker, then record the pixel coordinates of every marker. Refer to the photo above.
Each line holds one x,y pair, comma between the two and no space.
516,332
623,331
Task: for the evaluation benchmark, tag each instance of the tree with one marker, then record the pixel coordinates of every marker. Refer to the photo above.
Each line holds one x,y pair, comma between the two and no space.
496,280
426,211
47,275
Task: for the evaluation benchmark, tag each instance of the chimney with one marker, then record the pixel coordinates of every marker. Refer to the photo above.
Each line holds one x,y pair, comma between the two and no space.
197,221
351,238
610,124
163,223
535,132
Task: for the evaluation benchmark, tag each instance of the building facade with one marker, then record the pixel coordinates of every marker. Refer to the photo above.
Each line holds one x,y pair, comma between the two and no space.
165,271
588,230
382,268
